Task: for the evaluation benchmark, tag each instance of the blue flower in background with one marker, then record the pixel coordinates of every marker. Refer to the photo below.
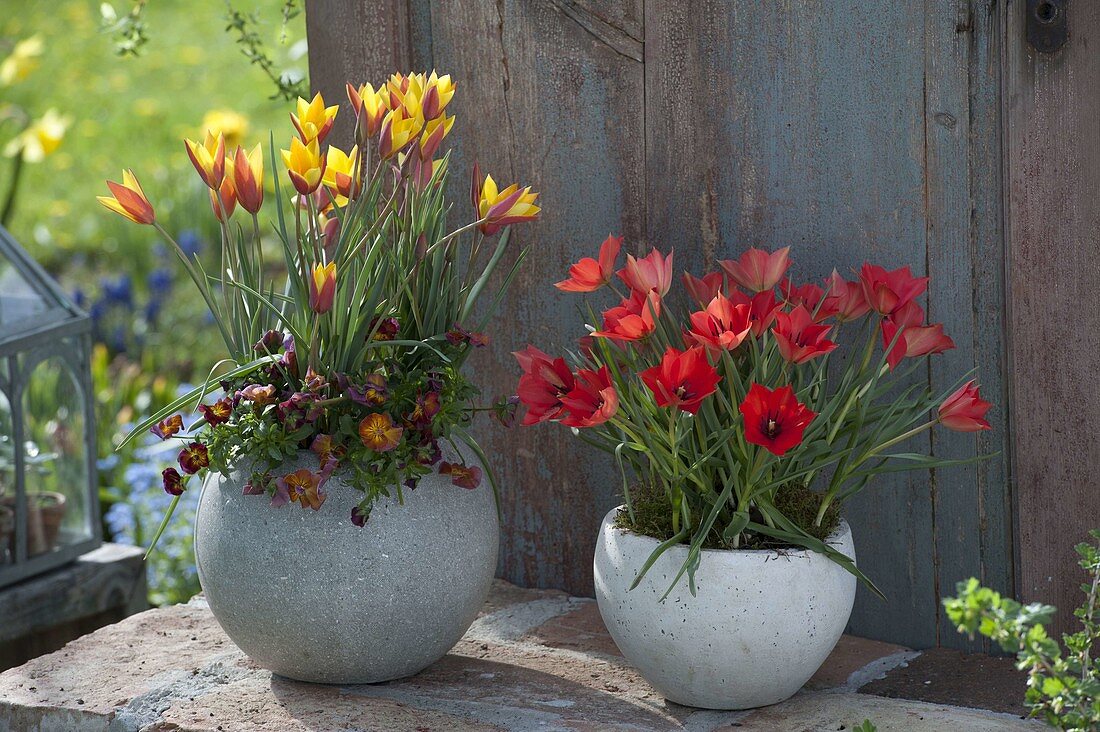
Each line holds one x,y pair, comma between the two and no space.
159,281
107,463
190,242
80,299
119,291
171,566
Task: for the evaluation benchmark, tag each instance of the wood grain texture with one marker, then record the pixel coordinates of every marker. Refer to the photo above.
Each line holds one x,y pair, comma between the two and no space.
1052,141
710,127
965,255
354,42
549,95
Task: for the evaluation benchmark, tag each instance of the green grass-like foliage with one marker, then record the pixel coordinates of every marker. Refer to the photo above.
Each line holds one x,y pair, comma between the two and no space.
1063,686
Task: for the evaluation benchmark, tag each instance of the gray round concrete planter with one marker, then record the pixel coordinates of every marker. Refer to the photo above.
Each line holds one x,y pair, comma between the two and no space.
760,625
309,595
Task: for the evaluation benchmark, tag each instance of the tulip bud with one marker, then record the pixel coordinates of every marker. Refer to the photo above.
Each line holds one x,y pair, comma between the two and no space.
322,288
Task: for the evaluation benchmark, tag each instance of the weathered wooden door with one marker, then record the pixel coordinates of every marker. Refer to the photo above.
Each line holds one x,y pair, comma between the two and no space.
849,132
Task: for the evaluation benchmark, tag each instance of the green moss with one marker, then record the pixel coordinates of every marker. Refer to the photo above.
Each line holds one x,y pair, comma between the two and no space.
653,517
800,505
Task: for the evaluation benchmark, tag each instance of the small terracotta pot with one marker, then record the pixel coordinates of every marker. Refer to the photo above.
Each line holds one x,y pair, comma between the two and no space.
45,512
7,534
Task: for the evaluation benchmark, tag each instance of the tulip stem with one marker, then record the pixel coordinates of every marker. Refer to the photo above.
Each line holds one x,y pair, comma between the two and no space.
9,200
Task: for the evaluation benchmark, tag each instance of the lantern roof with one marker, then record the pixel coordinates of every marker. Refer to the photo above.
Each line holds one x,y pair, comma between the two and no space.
30,300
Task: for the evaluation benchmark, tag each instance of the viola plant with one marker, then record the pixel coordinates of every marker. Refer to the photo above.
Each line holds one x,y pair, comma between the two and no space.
726,414
351,346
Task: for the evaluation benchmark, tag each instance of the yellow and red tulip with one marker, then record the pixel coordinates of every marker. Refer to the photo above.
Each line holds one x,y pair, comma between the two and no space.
248,178
224,201
322,287
314,120
437,94
434,132
129,200
499,208
208,158
370,108
305,164
343,171
398,129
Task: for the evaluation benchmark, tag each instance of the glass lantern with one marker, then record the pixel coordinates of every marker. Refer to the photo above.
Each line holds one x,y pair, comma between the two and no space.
49,501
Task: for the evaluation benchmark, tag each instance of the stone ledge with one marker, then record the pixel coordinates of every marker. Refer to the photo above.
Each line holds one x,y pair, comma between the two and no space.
534,659
42,613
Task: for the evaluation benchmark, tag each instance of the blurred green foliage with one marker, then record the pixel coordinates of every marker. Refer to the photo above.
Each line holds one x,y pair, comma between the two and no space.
131,111
189,68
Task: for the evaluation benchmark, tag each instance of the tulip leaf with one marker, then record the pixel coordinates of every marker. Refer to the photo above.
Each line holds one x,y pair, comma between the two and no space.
163,525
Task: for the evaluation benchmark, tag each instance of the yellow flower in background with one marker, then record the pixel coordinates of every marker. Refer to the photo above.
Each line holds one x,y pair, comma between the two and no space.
314,120
40,138
232,125
305,165
22,60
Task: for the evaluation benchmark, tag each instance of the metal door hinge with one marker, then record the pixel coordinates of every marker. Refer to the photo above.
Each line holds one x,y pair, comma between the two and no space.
1047,24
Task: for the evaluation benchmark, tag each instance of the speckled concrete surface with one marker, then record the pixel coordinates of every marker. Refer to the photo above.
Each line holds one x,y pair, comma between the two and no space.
533,660
378,603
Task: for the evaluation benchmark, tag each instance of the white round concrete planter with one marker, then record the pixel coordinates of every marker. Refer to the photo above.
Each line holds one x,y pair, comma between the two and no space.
760,625
309,595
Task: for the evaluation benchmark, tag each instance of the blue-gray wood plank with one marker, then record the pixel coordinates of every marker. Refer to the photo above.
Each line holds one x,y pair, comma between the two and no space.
849,134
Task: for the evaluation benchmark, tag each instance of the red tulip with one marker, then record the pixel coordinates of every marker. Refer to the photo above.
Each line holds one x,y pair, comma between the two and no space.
592,401
722,326
798,337
589,275
887,291
915,340
758,270
809,296
702,291
652,272
964,411
845,299
762,309
544,383
774,419
633,319
683,379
